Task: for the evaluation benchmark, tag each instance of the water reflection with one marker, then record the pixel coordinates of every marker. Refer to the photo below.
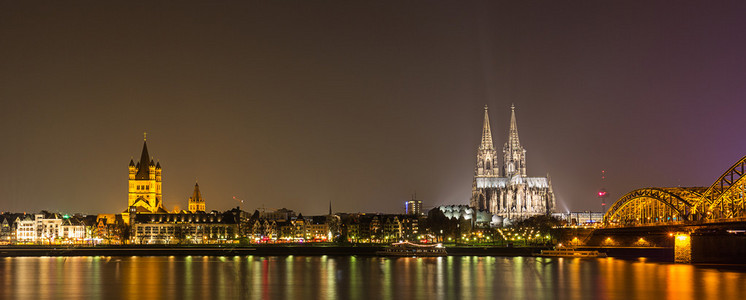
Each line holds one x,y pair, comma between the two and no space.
360,277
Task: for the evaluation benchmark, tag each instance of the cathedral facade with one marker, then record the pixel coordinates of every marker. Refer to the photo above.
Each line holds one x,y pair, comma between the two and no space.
506,190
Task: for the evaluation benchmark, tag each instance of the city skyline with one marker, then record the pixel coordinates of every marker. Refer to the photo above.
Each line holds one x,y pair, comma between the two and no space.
295,106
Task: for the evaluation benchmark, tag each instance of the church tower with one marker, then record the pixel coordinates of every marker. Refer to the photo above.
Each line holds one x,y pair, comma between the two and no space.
514,154
145,183
486,154
196,203
486,165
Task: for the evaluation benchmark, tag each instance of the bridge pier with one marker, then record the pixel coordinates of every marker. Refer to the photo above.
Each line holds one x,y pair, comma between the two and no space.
682,252
714,243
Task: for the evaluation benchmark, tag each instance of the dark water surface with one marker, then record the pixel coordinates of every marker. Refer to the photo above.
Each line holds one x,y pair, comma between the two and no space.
361,277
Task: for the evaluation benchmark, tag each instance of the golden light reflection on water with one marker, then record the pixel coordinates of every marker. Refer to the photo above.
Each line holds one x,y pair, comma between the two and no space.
360,277
676,274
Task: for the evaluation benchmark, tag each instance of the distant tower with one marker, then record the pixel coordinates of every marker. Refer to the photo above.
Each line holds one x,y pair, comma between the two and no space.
145,183
413,207
514,154
602,193
196,203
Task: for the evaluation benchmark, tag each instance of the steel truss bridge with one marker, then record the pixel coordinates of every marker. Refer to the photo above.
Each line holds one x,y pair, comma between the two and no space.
723,201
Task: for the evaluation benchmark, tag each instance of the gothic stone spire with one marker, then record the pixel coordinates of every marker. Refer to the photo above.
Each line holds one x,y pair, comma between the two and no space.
514,154
486,133
513,133
486,158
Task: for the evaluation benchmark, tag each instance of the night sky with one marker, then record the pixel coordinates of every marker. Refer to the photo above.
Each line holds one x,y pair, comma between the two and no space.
363,103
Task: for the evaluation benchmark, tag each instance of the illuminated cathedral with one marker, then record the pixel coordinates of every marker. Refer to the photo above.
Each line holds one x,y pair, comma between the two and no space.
506,190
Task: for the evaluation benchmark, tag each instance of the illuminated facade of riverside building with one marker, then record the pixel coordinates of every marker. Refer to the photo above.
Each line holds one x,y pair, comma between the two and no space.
507,191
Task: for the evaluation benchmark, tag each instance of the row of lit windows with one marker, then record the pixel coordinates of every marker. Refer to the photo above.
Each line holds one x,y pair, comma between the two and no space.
170,229
181,218
154,230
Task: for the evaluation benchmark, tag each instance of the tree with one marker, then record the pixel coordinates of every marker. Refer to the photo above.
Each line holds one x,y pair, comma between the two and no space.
179,234
440,225
542,222
123,231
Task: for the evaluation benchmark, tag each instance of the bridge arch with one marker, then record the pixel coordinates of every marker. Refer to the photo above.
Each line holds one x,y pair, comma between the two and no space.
725,197
653,206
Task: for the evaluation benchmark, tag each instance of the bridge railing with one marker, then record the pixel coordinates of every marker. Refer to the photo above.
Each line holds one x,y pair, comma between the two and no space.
698,222
654,224
725,220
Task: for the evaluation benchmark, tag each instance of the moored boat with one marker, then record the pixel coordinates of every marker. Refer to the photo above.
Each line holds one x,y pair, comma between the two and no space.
406,249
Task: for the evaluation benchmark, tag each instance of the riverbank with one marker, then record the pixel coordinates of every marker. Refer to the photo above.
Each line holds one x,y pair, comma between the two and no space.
661,254
229,250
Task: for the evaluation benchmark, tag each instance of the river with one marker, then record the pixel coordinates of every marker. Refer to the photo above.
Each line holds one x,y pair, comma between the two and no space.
362,277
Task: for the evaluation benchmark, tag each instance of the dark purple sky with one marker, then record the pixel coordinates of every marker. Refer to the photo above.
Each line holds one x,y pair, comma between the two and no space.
363,103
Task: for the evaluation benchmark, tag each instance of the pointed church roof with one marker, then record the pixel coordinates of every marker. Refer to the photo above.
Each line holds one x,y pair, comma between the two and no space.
513,141
196,195
142,165
486,133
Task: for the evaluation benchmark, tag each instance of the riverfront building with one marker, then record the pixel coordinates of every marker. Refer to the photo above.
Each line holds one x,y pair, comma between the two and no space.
506,190
190,228
50,228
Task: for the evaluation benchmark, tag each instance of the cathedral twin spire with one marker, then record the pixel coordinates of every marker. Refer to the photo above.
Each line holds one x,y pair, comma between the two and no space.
514,155
513,132
486,133
486,155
